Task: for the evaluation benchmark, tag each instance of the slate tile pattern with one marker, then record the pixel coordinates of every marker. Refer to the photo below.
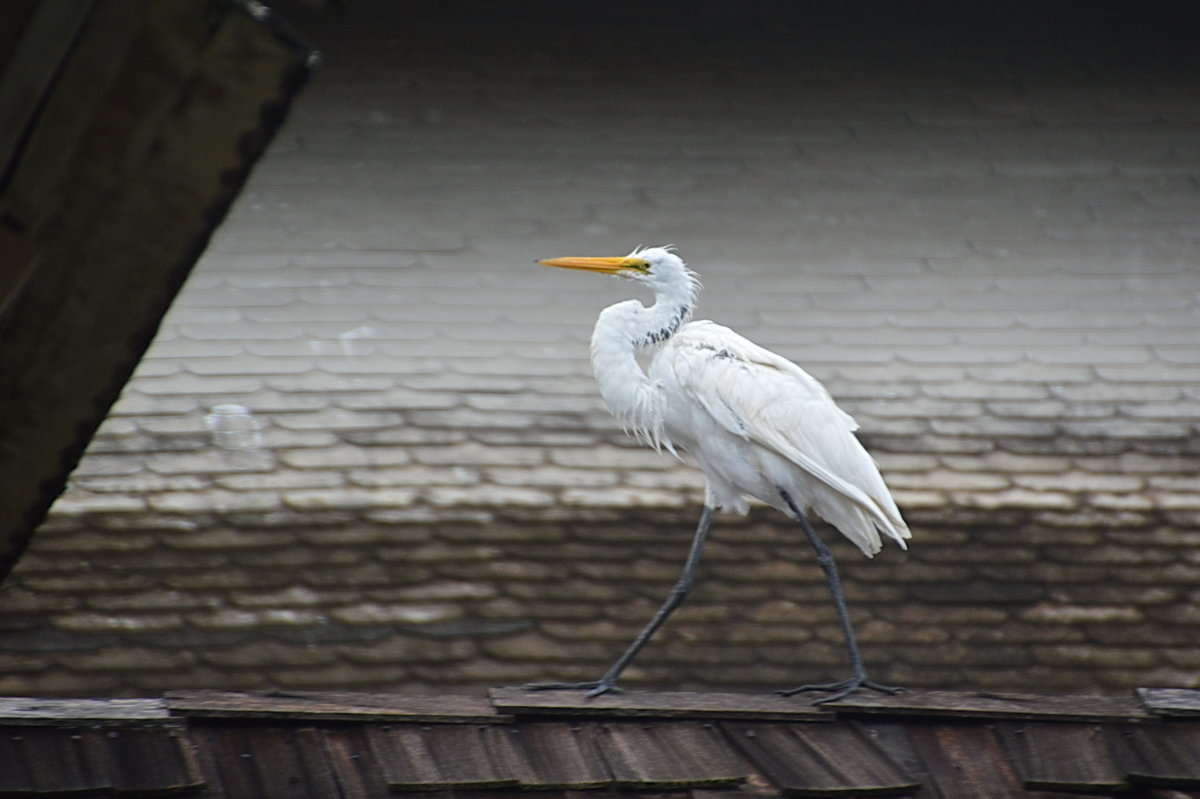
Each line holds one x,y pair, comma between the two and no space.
982,241
1012,601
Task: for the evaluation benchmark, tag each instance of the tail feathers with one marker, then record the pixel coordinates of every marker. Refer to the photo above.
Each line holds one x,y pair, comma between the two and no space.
862,525
890,521
860,508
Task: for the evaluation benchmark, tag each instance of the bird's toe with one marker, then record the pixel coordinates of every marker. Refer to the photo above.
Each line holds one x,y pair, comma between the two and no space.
603,687
592,688
841,689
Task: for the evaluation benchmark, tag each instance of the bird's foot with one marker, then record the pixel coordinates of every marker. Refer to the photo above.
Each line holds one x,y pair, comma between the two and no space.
842,689
592,687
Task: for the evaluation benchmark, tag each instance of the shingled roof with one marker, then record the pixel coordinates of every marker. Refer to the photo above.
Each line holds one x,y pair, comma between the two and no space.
985,248
691,746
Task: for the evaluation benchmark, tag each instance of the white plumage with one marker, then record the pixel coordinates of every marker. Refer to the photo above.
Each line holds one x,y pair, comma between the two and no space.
757,425
756,422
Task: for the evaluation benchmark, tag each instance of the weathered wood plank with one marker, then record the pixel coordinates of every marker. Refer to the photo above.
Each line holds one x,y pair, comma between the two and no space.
655,704
820,760
464,757
45,41
647,756
404,756
441,757
226,758
1057,756
1170,701
976,704
635,759
83,81
155,167
15,777
704,750
320,775
150,762
1164,755
507,754
332,706
551,756
24,711
964,760
219,754
282,766
348,753
58,762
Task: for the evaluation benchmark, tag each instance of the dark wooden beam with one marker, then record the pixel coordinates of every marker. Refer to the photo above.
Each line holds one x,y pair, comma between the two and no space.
656,704
18,711
333,706
996,705
115,173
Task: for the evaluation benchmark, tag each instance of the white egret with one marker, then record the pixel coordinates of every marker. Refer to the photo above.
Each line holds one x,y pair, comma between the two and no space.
758,426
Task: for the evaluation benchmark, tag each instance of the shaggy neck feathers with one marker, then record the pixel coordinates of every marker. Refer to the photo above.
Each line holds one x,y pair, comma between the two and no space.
626,329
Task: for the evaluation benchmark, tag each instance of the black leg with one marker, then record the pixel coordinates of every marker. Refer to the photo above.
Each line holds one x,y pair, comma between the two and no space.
608,682
858,672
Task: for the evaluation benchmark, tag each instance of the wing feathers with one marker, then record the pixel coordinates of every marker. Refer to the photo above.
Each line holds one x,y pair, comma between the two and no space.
764,398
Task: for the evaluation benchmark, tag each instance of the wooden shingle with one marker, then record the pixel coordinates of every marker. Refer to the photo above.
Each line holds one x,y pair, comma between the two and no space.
123,761
1065,757
235,756
33,761
347,749
144,761
555,755
438,757
1165,755
838,759
1170,701
666,755
963,760
260,760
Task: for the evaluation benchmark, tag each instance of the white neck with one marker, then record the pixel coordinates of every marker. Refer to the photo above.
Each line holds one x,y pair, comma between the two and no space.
622,331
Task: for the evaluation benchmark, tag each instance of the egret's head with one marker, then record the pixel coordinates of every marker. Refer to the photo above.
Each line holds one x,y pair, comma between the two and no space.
658,267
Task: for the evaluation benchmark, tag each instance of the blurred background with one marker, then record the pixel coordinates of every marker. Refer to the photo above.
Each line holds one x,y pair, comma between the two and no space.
366,451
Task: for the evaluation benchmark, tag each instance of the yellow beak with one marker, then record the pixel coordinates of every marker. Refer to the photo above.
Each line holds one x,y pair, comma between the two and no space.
608,265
